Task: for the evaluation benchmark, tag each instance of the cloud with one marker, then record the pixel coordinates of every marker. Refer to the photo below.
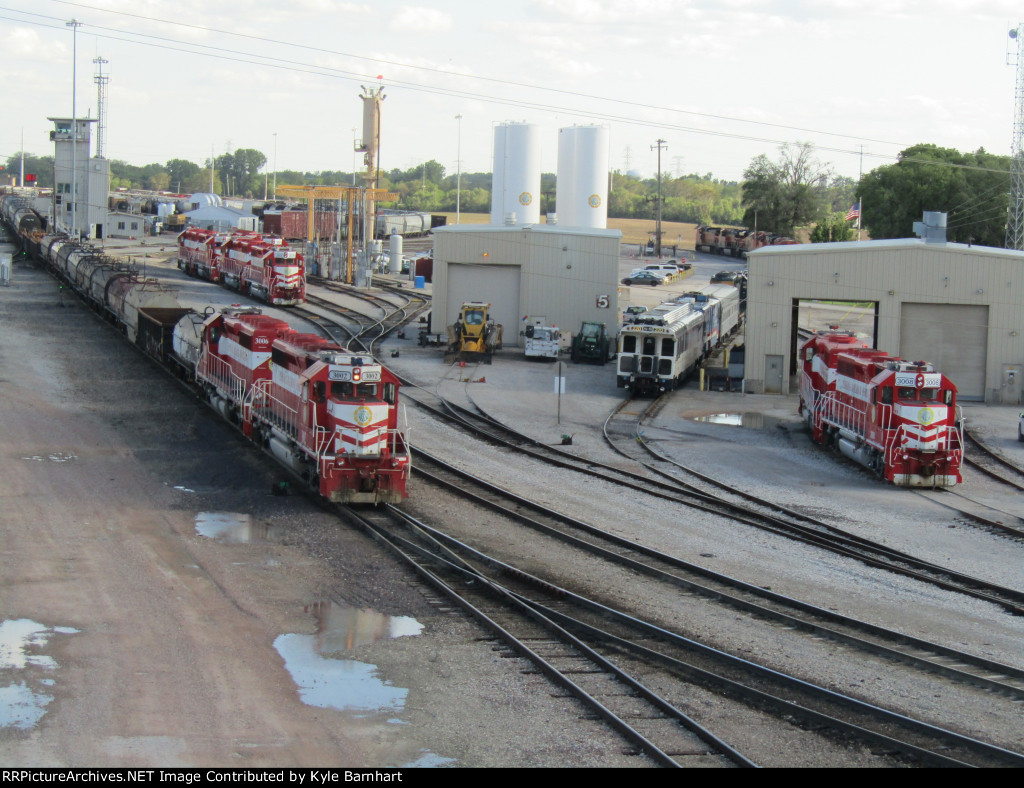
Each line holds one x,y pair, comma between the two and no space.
417,19
21,42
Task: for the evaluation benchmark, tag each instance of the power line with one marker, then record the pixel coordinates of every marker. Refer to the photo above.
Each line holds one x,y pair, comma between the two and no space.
494,80
268,61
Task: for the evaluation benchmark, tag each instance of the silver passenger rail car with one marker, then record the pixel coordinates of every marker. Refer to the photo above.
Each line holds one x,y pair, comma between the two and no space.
659,348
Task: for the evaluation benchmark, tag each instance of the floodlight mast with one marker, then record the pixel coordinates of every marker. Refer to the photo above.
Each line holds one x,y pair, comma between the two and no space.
1015,215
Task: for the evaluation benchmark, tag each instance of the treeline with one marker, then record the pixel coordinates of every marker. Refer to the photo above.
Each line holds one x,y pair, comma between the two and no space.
791,195
424,187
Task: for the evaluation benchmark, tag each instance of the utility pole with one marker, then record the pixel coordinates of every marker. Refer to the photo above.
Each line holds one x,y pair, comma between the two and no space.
657,232
74,24
1015,216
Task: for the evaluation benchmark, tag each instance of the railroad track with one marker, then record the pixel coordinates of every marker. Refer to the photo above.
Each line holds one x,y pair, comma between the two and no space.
387,316
785,611
609,659
628,440
765,515
992,464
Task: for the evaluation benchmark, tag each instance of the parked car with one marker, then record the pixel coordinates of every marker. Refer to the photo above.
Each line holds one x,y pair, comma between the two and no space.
643,278
635,309
659,274
730,277
664,269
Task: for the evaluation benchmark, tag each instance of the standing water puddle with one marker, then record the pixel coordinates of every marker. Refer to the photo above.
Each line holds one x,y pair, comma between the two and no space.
754,420
233,528
23,703
345,684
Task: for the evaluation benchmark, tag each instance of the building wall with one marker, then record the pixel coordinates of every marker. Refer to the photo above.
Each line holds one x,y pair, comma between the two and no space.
565,276
92,176
890,273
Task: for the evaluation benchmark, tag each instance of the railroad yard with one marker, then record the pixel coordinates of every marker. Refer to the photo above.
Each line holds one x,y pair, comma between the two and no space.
161,607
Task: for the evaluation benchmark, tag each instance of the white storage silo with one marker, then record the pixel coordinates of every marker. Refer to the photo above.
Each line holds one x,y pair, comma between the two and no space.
582,198
515,182
565,202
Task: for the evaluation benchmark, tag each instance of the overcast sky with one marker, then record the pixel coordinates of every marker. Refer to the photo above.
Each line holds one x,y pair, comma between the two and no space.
720,81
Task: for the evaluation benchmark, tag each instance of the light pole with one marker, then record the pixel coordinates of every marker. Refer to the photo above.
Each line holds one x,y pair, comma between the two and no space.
74,24
275,165
660,145
458,171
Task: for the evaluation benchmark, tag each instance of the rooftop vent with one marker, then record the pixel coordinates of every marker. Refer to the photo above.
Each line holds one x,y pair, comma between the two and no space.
933,228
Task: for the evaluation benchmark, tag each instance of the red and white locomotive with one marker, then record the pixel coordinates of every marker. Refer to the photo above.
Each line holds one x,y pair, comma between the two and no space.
263,266
329,414
896,417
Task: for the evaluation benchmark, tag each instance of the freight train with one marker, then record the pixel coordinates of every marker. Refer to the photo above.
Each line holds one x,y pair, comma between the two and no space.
736,241
659,348
332,416
898,418
256,264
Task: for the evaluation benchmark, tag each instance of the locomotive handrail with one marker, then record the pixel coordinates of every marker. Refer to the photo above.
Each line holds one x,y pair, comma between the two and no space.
218,369
272,409
842,414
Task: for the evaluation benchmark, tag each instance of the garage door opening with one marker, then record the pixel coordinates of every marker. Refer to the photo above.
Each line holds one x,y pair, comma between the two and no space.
813,314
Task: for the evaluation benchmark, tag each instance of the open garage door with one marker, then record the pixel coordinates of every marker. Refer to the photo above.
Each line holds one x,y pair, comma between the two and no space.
953,337
495,284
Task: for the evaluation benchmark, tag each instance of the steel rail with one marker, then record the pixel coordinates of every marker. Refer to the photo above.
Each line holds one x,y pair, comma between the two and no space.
987,673
761,672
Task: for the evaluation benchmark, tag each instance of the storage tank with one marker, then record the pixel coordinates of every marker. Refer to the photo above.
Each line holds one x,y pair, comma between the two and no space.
565,201
515,182
582,197
395,259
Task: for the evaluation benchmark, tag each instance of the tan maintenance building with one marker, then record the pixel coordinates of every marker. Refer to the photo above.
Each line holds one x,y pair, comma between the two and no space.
959,307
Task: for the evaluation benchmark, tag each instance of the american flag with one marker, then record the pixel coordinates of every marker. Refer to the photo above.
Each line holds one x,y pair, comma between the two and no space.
854,212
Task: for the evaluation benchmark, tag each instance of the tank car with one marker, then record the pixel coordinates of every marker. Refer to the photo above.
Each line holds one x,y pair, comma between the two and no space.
330,415
20,217
127,296
898,418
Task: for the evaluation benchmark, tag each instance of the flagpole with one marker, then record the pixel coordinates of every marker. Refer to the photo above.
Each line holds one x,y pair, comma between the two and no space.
860,199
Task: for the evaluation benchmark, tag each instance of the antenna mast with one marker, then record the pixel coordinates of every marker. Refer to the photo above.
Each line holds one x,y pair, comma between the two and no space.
101,106
1015,216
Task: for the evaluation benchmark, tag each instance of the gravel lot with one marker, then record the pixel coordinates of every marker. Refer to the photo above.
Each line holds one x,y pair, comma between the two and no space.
192,650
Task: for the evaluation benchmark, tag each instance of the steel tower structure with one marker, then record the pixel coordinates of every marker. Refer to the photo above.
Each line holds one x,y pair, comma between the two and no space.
1015,215
101,105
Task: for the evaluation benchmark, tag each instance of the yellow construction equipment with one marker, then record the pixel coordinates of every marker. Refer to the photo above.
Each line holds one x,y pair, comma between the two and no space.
475,336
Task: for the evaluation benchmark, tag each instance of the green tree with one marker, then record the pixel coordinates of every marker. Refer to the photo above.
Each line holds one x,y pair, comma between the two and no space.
159,181
180,172
40,166
970,188
832,228
779,196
